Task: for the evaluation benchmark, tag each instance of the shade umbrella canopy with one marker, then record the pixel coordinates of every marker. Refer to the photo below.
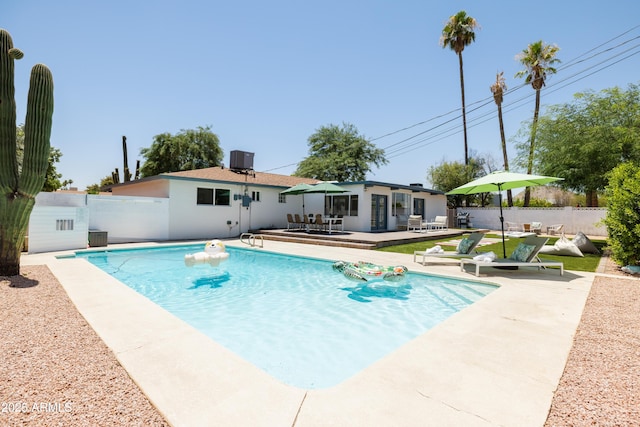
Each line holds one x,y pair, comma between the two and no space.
500,181
298,189
326,187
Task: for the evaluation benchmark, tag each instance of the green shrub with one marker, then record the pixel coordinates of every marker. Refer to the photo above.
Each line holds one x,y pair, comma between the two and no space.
623,214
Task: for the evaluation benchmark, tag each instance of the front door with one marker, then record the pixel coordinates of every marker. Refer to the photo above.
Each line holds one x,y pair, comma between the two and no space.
378,212
418,207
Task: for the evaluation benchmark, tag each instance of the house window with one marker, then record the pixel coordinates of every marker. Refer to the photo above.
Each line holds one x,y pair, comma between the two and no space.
400,204
205,196
223,197
353,205
218,197
282,198
64,224
255,196
342,205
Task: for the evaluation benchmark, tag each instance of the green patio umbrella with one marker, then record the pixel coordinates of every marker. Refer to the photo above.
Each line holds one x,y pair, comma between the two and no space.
298,189
500,181
326,187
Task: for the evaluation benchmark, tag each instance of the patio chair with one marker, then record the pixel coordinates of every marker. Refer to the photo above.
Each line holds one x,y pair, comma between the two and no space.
415,223
525,255
536,227
320,224
466,248
512,226
306,223
299,221
290,222
554,229
438,223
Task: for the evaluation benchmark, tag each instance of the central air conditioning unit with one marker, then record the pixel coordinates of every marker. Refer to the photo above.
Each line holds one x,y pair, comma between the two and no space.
241,160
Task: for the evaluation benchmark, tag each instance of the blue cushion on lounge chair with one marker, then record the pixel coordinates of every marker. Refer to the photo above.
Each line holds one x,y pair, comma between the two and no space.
522,252
464,245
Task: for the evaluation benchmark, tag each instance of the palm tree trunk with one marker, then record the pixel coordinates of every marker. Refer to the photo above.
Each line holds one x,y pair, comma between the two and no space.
504,152
534,127
464,113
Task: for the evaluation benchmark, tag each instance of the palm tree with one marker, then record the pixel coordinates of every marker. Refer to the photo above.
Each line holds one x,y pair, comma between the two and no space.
457,34
538,59
498,89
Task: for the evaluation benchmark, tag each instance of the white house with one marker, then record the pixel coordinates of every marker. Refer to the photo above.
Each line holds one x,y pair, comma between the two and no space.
216,202
222,202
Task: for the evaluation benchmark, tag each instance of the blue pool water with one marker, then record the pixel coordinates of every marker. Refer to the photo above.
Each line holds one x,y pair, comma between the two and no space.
293,317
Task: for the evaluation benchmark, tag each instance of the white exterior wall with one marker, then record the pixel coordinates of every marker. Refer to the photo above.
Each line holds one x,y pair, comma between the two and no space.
129,219
188,220
434,204
587,220
43,235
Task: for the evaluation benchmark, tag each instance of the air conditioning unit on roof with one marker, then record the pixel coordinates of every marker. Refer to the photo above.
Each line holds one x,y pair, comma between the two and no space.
241,160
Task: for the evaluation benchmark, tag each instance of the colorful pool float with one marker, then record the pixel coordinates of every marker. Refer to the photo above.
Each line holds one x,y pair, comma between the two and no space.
214,253
362,271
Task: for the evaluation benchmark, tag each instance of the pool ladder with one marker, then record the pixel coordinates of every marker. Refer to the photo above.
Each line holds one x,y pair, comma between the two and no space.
251,239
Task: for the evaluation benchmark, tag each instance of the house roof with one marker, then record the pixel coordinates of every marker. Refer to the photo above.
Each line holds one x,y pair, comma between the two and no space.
220,174
228,175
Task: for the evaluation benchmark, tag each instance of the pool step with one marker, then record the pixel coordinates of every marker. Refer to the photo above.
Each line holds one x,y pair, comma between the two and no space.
320,241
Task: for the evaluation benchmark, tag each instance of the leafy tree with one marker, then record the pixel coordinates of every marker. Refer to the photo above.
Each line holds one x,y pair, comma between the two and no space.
534,203
623,214
538,59
189,149
457,34
498,89
603,126
97,188
339,154
447,176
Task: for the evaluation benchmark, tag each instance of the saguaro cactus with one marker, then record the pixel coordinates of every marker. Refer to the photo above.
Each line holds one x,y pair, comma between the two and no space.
20,183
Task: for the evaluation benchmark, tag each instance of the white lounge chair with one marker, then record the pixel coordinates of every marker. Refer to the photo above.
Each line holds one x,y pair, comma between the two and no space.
525,255
466,248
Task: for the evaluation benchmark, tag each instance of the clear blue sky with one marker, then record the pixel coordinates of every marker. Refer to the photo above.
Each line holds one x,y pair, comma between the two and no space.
266,75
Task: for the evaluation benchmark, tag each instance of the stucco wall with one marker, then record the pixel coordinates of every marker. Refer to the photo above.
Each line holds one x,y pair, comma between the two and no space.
587,220
129,219
45,233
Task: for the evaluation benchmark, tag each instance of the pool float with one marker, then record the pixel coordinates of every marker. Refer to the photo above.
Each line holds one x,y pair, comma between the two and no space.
362,271
214,253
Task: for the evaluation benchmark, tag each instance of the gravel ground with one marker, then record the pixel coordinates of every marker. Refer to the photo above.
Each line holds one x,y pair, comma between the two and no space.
57,372
600,385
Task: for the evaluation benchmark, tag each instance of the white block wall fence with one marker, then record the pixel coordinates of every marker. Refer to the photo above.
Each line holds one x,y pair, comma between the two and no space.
63,221
575,219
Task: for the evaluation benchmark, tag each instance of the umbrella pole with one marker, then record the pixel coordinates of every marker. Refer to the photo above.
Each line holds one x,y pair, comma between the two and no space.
504,250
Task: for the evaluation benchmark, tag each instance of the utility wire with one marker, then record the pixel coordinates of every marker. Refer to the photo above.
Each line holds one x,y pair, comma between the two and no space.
430,136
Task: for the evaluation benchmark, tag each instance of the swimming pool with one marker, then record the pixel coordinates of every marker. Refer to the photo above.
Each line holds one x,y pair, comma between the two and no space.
293,317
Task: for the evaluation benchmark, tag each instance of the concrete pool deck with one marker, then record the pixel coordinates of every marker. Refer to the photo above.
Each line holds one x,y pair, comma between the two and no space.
497,362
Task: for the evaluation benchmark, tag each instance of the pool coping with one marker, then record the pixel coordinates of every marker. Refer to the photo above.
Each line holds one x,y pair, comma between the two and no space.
497,362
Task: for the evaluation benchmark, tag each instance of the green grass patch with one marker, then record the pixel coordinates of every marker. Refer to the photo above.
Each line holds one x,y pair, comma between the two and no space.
587,263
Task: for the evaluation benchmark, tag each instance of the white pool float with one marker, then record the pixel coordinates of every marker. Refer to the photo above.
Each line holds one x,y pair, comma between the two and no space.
214,253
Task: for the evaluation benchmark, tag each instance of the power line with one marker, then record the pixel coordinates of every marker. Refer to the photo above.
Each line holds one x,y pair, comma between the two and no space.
409,143
509,105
